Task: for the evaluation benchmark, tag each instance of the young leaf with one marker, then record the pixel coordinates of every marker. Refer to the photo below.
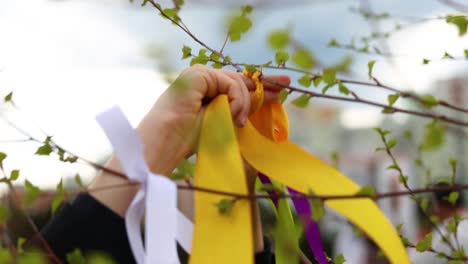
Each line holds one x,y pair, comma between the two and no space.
20,243
329,75
303,59
460,21
8,97
301,101
78,181
32,192
453,197
426,61
318,210
238,25
225,206
429,101
370,68
317,81
283,95
332,43
2,157
76,257
339,259
367,191
392,98
281,57
466,53
44,150
58,197
305,80
278,39
14,174
186,52
392,143
424,244
343,89
424,203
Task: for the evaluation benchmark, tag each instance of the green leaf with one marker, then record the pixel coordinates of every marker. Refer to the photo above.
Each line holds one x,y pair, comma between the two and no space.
76,257
317,81
278,39
370,68
429,101
408,134
332,43
367,191
78,181
393,167
339,259
327,87
343,89
305,80
424,244
344,65
399,227
301,101
453,163
460,253
388,110
58,197
318,210
466,53
238,25
452,226
8,97
392,143
32,192
283,95
329,75
403,179
44,150
426,61
14,174
267,64
303,59
460,21
424,203
281,57
2,157
20,244
225,206
405,241
214,56
447,56
246,9
186,52
100,258
185,169
217,65
433,137
392,98
382,132
453,197
4,214
287,246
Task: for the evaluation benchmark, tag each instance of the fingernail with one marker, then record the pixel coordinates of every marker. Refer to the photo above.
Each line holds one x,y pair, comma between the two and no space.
243,119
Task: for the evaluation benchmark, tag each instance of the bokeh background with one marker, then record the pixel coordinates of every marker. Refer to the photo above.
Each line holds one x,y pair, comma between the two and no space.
68,60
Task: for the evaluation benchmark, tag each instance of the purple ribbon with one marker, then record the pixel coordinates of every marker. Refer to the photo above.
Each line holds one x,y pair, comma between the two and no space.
311,229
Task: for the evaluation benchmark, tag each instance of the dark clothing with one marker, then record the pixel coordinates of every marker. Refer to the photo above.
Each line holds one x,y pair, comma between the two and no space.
88,225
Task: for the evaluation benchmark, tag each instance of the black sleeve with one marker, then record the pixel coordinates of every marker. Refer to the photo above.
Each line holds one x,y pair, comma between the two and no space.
90,226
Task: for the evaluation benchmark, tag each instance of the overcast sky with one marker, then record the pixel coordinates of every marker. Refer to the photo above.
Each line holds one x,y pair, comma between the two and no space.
67,60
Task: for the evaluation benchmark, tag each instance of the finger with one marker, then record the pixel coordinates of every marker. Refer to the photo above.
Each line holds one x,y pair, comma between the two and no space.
219,83
245,92
270,82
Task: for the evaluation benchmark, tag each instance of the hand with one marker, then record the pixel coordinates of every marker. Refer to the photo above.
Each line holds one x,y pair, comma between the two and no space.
169,131
171,128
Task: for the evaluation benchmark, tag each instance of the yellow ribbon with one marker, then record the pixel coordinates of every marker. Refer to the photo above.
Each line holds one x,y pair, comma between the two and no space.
263,143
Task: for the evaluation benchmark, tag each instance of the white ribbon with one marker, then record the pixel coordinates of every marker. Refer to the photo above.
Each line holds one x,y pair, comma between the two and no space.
164,223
